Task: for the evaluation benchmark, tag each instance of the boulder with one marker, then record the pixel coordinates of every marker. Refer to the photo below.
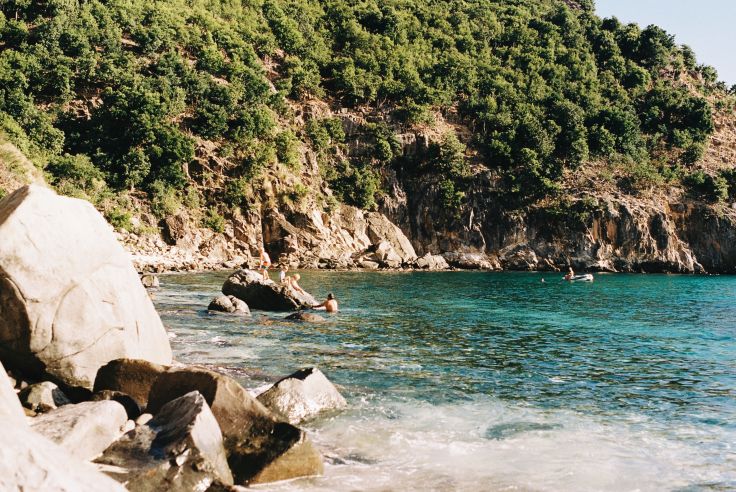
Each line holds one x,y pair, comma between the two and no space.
42,397
469,261
11,411
260,448
229,304
70,299
302,395
432,262
179,450
29,461
132,409
249,286
307,317
83,430
380,228
132,377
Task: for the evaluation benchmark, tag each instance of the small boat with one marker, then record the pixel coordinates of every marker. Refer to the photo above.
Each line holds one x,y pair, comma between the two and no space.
586,277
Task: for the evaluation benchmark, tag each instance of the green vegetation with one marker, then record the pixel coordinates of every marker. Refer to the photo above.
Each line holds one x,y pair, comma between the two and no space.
123,94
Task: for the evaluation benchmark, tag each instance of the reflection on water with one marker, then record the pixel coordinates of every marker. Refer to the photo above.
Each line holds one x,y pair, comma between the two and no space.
497,378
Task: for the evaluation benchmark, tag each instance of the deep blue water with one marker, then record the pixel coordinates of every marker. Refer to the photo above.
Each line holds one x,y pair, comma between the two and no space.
497,381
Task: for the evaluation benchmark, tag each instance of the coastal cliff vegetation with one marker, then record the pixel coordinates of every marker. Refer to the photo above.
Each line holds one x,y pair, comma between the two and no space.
193,104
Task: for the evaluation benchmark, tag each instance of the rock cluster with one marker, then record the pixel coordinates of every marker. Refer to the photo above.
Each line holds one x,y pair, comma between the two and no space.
258,293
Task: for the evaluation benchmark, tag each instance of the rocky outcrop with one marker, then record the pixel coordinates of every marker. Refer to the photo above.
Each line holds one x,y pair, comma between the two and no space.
70,300
302,395
260,447
250,287
42,397
85,429
180,450
229,304
132,377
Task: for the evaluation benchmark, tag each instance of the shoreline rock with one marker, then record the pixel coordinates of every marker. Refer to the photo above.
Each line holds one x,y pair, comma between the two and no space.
250,287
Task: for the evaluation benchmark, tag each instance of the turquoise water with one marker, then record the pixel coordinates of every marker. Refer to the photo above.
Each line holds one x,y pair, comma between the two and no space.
497,381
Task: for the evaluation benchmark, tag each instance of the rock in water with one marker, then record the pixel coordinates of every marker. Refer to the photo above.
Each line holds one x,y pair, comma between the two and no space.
260,448
249,286
84,430
132,377
307,317
302,395
179,450
42,397
70,300
229,304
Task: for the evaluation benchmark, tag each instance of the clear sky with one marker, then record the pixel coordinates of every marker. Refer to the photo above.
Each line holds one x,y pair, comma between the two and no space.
708,26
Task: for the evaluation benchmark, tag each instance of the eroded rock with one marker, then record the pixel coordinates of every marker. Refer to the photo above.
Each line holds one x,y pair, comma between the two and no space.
85,429
181,449
71,302
302,395
250,287
260,448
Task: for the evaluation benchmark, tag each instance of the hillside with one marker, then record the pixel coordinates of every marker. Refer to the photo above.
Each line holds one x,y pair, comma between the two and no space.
525,134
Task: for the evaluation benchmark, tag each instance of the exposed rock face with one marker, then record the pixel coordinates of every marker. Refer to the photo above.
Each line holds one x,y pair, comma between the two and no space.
302,395
432,262
250,287
259,447
11,412
179,450
72,301
229,304
84,430
42,397
306,317
132,377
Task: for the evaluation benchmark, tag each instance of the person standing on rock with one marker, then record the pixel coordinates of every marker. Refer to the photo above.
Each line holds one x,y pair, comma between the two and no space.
265,263
330,304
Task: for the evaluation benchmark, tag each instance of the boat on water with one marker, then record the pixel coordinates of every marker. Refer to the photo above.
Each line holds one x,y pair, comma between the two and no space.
586,277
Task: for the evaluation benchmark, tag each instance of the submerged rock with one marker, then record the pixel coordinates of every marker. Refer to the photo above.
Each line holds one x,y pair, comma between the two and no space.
249,286
181,449
72,301
132,377
260,448
42,397
84,430
307,317
229,304
302,395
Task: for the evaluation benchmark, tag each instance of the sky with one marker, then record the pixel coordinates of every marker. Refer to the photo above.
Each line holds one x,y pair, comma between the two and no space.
707,26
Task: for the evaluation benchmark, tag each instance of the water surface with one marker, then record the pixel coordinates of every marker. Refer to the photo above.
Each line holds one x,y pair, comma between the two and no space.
496,381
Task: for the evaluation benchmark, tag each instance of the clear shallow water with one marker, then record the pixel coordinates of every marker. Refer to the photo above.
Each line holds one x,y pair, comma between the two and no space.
495,381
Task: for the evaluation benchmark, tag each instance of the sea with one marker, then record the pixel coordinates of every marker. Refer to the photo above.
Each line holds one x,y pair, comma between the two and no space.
482,381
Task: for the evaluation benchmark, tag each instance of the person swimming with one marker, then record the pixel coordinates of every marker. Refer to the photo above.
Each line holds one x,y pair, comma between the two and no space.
329,305
570,274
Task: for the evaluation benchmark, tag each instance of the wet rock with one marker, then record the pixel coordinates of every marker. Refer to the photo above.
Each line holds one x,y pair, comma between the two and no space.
229,304
72,302
260,448
179,450
43,397
250,287
132,409
84,430
302,395
132,377
150,281
306,317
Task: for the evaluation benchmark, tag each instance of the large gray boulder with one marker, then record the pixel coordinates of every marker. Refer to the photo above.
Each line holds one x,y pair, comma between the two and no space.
70,300
181,449
132,377
84,430
29,461
302,395
249,286
229,304
260,447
